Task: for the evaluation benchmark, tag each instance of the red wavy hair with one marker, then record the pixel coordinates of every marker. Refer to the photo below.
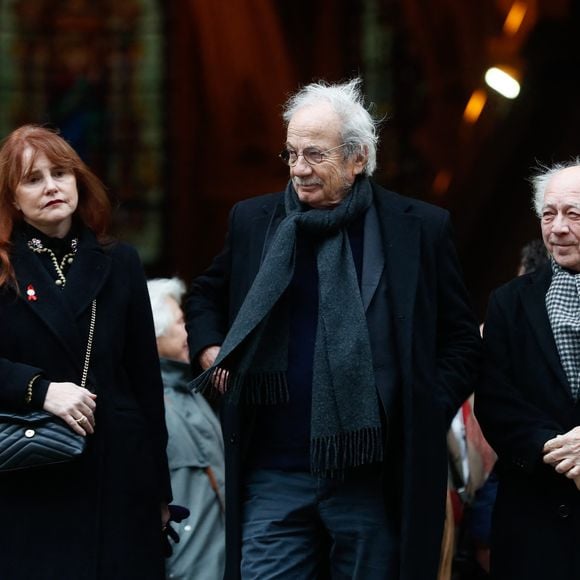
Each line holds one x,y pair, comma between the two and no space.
94,207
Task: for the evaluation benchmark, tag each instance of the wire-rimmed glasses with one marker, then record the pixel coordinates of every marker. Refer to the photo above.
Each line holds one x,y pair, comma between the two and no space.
312,155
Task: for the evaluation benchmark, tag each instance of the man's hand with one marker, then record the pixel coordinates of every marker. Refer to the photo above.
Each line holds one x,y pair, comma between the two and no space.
219,378
563,454
207,356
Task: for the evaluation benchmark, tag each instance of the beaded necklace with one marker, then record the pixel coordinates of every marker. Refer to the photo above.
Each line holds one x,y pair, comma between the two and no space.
37,247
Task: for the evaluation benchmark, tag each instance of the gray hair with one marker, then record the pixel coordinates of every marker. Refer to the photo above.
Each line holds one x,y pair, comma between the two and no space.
159,290
540,179
359,129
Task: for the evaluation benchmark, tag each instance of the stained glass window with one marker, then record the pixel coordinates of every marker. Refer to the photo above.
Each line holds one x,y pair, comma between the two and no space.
94,69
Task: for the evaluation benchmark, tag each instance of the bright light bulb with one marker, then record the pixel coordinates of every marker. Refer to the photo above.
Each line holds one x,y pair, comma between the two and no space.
502,82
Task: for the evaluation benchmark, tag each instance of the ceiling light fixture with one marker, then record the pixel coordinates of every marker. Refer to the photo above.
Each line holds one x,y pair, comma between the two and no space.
502,82
515,17
474,106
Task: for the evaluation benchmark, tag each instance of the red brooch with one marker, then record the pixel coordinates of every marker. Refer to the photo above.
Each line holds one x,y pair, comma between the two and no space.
31,293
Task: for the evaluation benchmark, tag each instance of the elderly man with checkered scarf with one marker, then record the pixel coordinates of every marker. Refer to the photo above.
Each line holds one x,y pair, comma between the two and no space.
527,400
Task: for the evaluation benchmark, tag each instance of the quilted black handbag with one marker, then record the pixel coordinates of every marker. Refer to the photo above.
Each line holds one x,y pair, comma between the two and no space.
37,438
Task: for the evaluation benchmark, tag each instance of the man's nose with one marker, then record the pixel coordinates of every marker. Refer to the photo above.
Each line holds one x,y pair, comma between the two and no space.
560,224
302,167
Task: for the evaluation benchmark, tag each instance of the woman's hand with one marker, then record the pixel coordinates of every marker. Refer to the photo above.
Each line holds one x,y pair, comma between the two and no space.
73,404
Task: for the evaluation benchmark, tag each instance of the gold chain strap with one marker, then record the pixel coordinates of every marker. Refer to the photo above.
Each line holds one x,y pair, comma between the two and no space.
89,342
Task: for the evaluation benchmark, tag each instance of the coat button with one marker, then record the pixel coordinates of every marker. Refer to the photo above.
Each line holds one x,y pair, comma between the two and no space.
233,438
563,510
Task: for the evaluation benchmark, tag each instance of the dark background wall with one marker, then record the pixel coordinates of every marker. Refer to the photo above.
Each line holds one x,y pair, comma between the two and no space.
420,61
207,134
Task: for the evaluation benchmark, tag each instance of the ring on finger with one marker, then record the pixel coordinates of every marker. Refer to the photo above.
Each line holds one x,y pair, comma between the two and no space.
82,419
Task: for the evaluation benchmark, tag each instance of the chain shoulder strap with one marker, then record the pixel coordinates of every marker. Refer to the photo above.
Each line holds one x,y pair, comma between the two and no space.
89,342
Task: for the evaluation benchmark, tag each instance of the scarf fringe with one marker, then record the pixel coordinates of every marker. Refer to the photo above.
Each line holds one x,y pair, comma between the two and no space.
262,388
331,455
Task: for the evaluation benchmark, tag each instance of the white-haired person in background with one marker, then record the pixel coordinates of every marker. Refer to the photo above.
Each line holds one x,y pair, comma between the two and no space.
195,447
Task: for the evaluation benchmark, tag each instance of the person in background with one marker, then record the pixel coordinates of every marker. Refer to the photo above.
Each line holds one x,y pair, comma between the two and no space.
337,324
532,256
527,399
473,537
100,517
195,448
471,461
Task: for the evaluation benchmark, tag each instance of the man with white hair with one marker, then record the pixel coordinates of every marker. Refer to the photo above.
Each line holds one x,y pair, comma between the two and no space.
195,446
337,324
528,400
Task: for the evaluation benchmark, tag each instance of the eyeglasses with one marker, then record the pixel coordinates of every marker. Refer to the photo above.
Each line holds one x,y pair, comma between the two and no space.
311,155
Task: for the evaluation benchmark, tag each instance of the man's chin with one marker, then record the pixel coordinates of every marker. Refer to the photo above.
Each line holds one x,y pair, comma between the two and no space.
308,194
567,261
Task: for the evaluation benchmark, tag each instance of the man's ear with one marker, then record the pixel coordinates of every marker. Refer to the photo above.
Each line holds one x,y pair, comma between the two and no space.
360,160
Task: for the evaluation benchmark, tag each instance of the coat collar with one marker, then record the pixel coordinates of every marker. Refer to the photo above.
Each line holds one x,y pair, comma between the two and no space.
275,217
87,273
373,257
399,230
59,308
401,237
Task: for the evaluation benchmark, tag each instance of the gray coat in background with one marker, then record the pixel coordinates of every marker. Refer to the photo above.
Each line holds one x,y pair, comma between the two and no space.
196,460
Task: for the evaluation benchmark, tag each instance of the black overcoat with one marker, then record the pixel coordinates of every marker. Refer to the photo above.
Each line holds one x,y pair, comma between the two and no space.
523,400
435,341
98,518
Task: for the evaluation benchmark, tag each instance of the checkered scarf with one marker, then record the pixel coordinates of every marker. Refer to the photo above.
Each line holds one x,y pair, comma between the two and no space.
563,306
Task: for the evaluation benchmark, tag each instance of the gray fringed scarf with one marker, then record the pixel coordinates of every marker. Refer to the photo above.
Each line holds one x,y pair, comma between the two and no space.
346,426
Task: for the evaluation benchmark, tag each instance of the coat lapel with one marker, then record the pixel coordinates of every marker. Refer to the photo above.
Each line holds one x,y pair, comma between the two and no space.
388,221
275,218
533,297
401,236
46,299
58,308
87,274
373,257
373,260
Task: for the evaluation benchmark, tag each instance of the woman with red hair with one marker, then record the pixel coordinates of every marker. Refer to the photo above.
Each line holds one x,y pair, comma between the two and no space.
100,516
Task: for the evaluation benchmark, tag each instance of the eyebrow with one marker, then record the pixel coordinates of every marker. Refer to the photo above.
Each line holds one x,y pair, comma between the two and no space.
564,207
289,144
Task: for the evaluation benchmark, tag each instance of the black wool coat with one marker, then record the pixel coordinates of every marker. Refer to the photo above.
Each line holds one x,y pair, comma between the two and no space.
523,400
434,342
98,518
